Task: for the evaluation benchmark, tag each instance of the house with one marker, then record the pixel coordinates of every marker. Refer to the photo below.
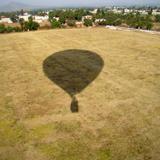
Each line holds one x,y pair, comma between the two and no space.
155,12
40,19
25,16
126,10
143,12
115,10
86,17
5,20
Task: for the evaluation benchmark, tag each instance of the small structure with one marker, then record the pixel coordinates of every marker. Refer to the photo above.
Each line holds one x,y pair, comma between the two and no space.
126,10
116,10
79,24
155,12
40,19
143,12
100,20
86,17
5,20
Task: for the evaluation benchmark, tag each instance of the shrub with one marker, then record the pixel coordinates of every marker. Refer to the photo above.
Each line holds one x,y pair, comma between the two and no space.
9,29
117,22
71,23
157,18
87,22
2,28
55,24
149,25
31,26
17,29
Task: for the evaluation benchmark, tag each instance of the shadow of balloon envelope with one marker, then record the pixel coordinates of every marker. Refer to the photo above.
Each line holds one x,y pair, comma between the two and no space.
73,70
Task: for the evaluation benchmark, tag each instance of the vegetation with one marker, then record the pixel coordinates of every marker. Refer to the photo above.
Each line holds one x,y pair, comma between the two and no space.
30,25
88,22
2,28
157,18
55,24
9,29
70,16
71,23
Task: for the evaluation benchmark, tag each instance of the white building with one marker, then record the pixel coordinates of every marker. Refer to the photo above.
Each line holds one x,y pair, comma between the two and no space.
126,10
94,11
25,16
115,10
86,17
155,12
5,20
40,19
57,18
100,20
143,12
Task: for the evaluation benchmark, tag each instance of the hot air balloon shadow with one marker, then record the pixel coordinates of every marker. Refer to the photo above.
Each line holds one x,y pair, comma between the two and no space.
73,70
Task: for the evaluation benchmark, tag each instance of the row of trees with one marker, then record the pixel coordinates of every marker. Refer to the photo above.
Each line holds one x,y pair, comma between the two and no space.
9,29
134,20
30,25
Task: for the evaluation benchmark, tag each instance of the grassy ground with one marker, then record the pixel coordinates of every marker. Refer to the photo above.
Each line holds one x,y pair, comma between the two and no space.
119,112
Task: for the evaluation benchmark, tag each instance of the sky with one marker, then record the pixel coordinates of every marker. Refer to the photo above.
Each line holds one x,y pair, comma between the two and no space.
83,2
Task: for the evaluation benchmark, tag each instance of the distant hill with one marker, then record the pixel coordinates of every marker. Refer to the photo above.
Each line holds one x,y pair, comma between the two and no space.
16,6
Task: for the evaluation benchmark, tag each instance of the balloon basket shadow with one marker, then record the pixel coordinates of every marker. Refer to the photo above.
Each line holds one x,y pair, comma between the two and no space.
74,105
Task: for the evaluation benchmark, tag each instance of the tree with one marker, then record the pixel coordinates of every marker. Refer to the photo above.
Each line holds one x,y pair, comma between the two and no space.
117,22
149,25
62,18
55,24
2,28
78,14
87,22
157,18
31,25
17,29
21,21
14,18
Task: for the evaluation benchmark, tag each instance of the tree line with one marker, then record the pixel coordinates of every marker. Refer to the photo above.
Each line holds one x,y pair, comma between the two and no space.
29,25
60,18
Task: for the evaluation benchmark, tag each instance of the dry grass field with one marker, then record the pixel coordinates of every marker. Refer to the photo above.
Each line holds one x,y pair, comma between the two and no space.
119,111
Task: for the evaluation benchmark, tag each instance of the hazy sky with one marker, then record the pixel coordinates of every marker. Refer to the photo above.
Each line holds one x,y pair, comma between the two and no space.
83,2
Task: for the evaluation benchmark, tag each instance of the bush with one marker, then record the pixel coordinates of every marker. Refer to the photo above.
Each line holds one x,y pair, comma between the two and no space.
9,29
102,23
117,22
71,23
157,18
55,24
87,22
149,25
2,28
31,26
17,29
